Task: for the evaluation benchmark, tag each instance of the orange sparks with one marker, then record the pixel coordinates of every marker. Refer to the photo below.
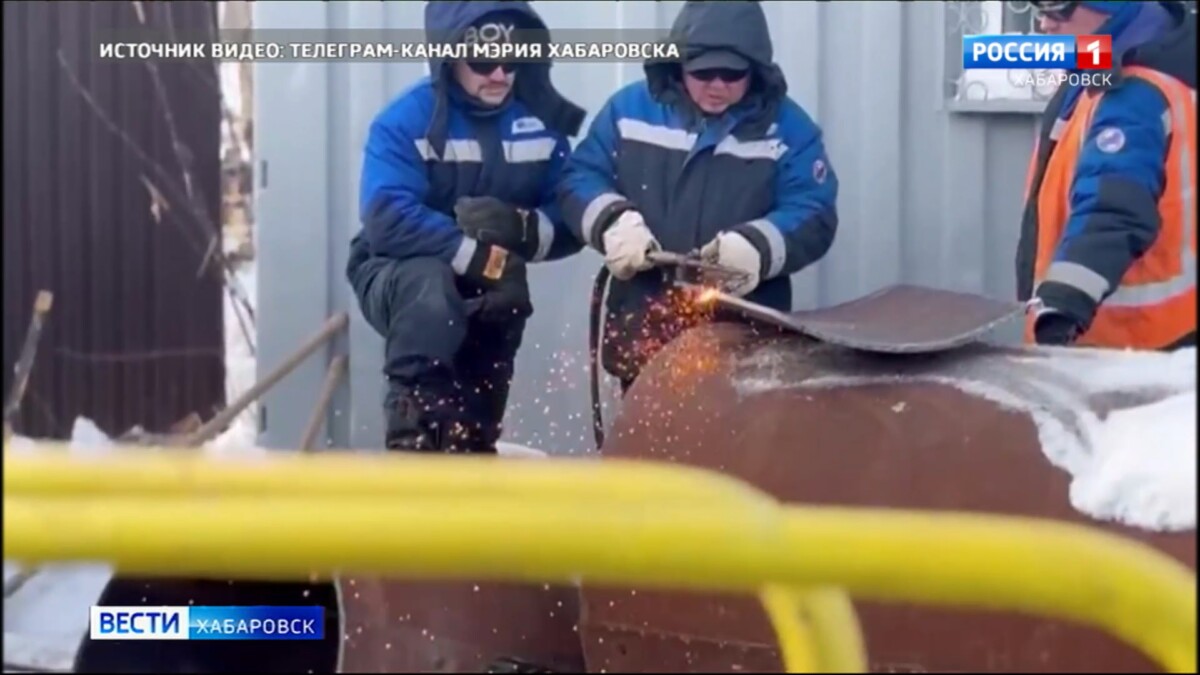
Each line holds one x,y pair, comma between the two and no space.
707,295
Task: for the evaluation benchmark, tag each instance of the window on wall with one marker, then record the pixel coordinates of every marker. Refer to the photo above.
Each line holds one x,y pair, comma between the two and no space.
1012,90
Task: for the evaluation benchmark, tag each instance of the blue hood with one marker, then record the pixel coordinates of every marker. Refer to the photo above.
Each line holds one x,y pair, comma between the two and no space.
448,20
1130,24
722,24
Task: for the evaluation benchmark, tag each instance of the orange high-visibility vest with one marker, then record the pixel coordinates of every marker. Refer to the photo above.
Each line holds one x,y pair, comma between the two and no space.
1155,303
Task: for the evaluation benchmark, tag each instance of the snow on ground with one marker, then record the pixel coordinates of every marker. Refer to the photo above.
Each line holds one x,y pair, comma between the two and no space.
1135,465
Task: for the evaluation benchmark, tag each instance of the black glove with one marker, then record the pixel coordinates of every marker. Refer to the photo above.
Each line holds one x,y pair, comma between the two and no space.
1053,328
501,273
494,222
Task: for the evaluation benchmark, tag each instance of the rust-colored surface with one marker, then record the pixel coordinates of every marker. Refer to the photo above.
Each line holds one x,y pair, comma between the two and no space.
620,650
919,445
136,334
395,626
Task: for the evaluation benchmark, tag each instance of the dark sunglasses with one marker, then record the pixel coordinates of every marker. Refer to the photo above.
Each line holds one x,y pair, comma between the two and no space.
727,75
1055,10
489,67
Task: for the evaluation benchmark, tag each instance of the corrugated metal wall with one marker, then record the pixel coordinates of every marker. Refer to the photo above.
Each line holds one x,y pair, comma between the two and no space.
135,336
928,195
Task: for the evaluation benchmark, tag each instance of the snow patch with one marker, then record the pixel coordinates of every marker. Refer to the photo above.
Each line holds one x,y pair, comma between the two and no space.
1144,467
1134,464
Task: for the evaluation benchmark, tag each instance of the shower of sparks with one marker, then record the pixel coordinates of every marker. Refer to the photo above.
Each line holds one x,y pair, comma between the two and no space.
632,343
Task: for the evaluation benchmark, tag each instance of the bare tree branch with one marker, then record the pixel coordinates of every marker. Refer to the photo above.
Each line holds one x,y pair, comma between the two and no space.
213,83
192,189
167,183
168,188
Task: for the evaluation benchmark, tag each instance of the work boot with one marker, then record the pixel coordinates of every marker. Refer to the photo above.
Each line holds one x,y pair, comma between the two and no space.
425,416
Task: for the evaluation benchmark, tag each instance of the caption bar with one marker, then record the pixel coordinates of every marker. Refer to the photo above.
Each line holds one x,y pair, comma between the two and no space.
389,51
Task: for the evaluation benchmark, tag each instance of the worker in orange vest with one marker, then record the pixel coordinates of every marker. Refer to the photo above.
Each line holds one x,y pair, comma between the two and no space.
1107,256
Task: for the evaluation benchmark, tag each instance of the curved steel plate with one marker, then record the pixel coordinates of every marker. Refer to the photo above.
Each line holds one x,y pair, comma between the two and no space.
898,319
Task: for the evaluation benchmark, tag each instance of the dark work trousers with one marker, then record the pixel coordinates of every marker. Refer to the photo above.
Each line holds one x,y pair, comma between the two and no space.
418,306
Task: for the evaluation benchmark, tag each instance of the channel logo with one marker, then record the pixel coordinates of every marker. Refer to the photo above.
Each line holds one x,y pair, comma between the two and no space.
207,623
1059,52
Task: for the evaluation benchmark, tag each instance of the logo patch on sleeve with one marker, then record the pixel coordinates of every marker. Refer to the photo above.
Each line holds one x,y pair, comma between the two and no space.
820,171
1110,139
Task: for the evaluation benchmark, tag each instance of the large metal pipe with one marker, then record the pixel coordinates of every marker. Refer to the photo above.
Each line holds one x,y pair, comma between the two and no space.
673,541
878,431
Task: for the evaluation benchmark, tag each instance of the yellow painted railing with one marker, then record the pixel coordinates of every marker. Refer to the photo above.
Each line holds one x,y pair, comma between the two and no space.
285,516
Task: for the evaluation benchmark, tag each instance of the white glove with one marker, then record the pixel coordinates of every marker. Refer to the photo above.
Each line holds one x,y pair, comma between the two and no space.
626,244
732,250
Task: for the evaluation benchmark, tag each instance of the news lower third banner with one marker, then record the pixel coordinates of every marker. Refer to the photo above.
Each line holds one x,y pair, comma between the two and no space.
207,623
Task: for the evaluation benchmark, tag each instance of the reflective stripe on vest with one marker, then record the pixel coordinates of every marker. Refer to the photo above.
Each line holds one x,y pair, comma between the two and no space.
1154,304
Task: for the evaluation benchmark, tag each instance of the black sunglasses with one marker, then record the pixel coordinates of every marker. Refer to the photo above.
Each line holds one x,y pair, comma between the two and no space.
727,75
489,67
1055,10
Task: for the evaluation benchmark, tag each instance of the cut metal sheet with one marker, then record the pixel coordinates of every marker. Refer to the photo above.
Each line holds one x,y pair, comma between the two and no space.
897,319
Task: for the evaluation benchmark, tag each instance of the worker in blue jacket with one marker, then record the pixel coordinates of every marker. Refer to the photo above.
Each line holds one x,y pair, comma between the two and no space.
1108,239
706,154
457,195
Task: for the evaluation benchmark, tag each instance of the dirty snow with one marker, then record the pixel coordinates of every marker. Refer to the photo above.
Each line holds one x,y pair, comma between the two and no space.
1135,465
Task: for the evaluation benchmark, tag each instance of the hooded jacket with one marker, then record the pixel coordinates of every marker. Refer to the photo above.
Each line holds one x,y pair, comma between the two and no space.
759,169
1114,215
433,144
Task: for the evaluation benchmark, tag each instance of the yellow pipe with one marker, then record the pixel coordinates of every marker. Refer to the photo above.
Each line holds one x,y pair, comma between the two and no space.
831,621
52,470
1021,564
1128,588
816,628
799,648
148,473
